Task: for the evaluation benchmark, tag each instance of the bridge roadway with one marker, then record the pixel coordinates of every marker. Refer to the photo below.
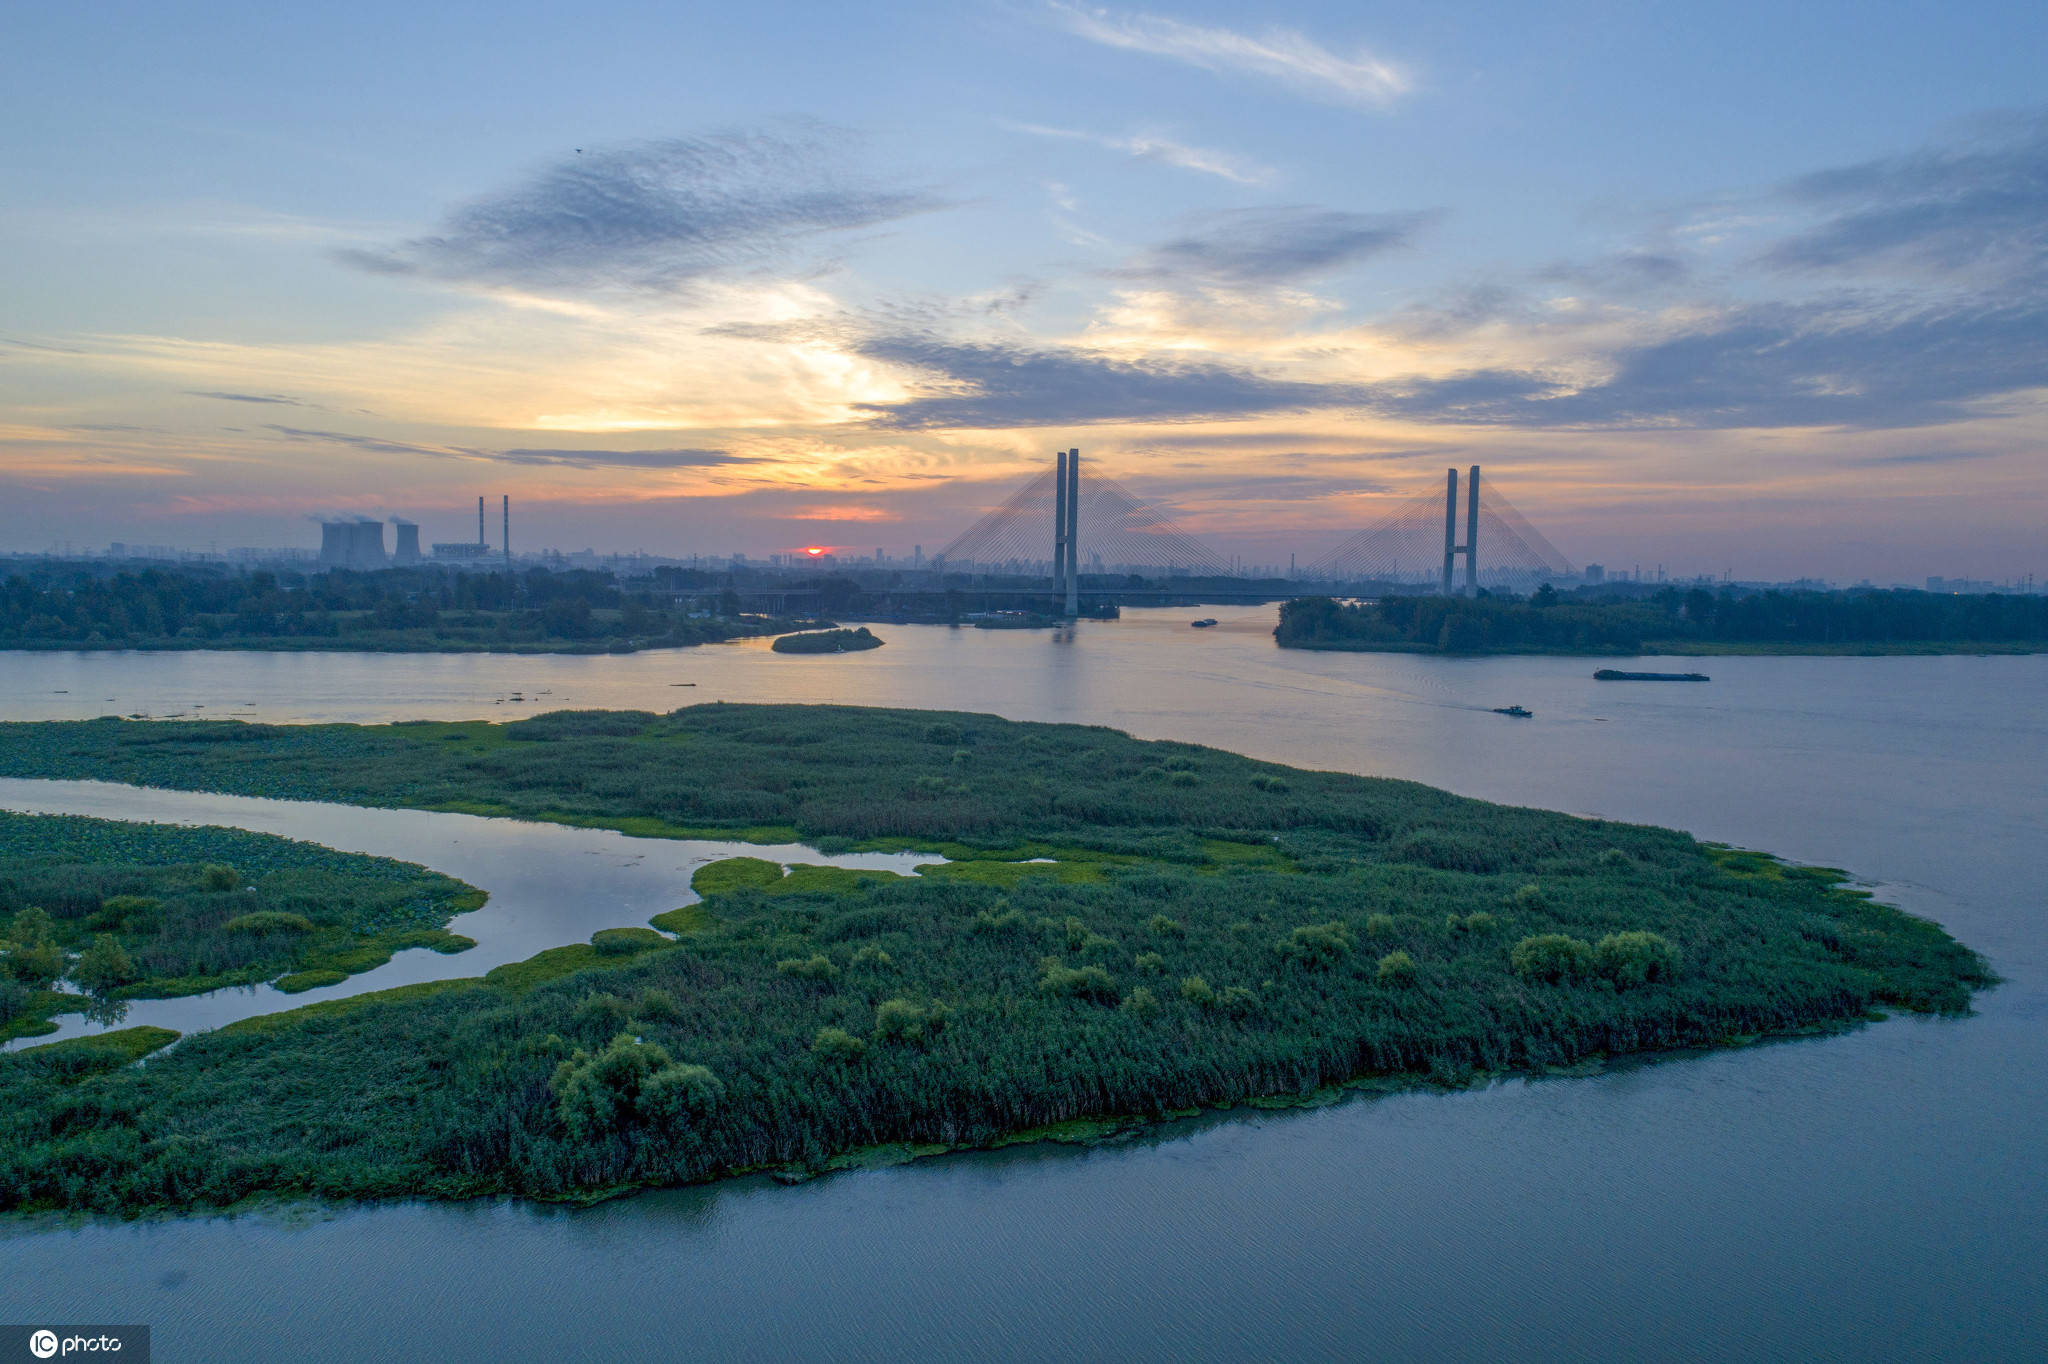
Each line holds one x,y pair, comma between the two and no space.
922,600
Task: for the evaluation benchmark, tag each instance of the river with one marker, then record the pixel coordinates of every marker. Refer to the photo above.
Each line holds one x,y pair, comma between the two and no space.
1879,1195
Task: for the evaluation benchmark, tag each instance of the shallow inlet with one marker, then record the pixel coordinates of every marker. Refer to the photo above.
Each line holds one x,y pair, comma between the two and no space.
550,885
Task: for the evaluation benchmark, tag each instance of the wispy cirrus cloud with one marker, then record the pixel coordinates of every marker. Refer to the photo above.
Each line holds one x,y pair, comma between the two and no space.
1164,150
994,385
1277,54
653,216
1275,245
1980,206
276,399
574,459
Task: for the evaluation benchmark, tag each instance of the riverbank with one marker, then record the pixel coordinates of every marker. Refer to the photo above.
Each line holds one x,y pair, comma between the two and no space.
1697,621
1687,648
1134,928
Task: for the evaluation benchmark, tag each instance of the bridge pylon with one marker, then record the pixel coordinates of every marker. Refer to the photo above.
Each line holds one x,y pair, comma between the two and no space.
1470,549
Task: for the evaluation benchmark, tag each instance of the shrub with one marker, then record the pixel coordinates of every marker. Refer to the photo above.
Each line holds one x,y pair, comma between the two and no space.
1150,962
1551,957
1318,946
1239,1002
996,921
1142,1003
598,1093
1096,945
1379,925
602,1012
1636,958
674,1094
128,914
1397,968
837,1044
1195,990
33,956
657,1006
1165,927
1446,852
1183,779
1529,897
815,967
1481,922
1084,982
899,1020
871,955
214,876
268,921
103,966
1614,858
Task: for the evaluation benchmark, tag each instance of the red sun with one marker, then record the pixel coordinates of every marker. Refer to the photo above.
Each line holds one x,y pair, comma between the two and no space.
814,551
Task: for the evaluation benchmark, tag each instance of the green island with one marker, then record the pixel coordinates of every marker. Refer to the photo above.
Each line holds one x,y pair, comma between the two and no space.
396,610
1123,931
1670,621
826,642
120,911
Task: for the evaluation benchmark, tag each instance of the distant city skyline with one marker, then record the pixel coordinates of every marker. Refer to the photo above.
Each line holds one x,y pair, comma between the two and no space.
1751,289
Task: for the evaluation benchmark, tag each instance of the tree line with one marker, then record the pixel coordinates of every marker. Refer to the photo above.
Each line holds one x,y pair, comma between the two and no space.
1591,622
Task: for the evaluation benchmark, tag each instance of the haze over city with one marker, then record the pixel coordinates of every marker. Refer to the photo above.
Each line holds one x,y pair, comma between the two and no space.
1750,288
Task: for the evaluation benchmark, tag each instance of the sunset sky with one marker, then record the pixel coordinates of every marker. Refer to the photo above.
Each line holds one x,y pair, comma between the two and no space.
1760,287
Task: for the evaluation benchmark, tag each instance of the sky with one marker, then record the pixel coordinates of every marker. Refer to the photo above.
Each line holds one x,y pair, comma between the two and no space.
1748,288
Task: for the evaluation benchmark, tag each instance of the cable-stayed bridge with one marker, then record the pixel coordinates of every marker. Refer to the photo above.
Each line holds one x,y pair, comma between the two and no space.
1422,540
1060,529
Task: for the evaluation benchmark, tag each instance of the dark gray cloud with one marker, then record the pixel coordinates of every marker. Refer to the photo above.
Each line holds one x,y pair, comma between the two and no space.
278,399
1784,365
1266,246
579,459
1928,457
992,386
1974,206
656,215
626,459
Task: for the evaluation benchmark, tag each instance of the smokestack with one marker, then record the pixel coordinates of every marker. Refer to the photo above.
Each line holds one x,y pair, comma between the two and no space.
479,523
508,530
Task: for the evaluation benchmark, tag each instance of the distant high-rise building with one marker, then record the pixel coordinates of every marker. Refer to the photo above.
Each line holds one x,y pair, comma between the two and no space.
1595,573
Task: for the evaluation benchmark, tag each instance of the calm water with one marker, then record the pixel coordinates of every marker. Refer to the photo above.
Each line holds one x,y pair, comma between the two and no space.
549,885
1881,1195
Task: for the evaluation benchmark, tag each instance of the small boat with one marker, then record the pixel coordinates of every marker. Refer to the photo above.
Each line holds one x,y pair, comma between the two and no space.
1616,675
1204,623
1519,712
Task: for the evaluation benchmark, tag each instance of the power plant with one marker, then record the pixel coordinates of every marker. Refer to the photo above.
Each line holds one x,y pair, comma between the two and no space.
465,551
407,550
354,544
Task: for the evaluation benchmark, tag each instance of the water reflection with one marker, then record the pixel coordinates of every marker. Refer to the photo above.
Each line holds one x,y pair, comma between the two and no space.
549,884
